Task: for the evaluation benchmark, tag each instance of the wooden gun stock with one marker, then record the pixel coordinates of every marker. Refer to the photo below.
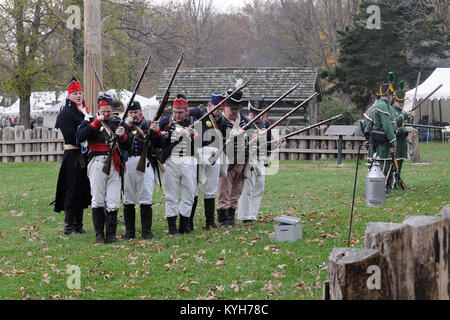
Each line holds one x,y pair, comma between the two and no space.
396,173
141,164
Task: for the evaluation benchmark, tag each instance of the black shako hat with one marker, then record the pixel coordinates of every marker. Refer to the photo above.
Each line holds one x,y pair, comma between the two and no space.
235,100
256,104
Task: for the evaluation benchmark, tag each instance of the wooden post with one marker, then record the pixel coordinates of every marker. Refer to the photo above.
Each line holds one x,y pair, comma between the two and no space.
1,146
414,152
331,146
18,136
92,52
314,144
293,144
323,143
348,146
282,155
28,146
52,145
44,145
59,145
303,144
37,134
8,135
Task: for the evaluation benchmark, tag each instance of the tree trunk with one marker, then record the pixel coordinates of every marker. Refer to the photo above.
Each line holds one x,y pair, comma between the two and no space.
350,272
92,52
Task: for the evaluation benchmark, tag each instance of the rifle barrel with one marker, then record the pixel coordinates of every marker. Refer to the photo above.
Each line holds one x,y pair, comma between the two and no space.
221,103
138,83
270,106
425,99
291,112
310,127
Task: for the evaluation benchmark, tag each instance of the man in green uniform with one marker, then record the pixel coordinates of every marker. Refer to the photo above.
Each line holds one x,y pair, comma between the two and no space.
383,133
400,117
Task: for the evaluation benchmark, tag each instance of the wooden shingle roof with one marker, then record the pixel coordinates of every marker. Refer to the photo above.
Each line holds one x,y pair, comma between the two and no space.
199,83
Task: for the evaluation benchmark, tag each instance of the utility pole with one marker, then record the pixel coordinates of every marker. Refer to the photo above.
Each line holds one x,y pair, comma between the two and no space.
92,52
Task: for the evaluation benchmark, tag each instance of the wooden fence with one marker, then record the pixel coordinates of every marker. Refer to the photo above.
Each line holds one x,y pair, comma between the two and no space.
44,144
400,261
314,145
38,144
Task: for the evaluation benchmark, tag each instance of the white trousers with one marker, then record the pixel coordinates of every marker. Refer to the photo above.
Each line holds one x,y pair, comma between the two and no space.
212,172
252,194
179,178
105,189
138,184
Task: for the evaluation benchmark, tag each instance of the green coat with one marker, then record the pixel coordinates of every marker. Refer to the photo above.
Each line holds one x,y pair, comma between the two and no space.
384,120
402,135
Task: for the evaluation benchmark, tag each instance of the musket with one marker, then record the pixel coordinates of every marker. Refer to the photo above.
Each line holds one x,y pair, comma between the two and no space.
217,106
141,164
113,139
291,112
425,99
396,171
422,126
276,123
415,91
216,156
307,128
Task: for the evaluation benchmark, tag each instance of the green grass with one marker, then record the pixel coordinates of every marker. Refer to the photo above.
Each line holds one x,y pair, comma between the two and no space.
238,263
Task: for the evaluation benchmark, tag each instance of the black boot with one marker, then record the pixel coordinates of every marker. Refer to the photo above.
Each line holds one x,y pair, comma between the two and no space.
79,221
111,226
129,216
191,218
230,221
172,222
146,221
222,215
184,225
98,218
70,222
209,213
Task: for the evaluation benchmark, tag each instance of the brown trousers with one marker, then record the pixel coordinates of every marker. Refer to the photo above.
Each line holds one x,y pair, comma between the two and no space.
230,187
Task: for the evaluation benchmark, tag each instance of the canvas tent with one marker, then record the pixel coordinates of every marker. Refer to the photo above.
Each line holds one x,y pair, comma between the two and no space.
48,104
436,110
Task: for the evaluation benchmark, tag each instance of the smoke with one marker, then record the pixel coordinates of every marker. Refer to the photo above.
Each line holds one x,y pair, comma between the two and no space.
239,82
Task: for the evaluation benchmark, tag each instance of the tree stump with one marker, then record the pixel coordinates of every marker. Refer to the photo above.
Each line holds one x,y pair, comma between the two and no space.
353,274
18,136
393,240
430,243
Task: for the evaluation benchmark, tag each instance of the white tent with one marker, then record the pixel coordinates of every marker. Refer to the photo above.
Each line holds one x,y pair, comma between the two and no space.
437,109
39,101
149,106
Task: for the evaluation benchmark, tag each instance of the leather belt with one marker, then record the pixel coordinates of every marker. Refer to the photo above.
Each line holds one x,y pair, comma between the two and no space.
70,147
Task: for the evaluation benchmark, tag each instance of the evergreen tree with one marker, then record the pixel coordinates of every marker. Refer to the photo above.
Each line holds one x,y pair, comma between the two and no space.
367,55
